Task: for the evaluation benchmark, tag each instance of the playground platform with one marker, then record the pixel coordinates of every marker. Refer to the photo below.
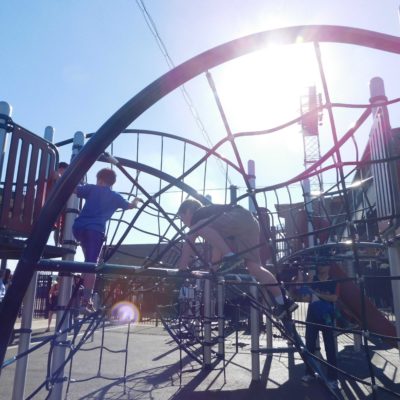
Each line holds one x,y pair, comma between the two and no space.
153,370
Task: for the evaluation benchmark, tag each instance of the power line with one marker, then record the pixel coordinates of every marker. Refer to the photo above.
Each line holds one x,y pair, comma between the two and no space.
188,100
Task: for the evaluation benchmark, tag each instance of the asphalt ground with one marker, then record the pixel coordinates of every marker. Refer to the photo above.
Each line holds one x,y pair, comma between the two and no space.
154,370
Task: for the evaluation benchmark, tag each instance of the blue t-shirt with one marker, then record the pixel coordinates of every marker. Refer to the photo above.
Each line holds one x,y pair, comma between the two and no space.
322,310
101,203
326,287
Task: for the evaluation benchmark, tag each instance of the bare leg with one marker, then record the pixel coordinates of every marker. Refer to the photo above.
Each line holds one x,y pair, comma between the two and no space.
264,277
211,236
49,320
88,282
219,248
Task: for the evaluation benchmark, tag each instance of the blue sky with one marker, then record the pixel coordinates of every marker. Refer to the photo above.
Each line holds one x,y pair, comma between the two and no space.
72,64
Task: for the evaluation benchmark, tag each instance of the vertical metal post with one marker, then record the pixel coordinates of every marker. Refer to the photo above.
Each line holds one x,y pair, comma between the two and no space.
197,308
386,176
49,134
309,210
255,333
221,318
62,324
268,332
251,176
356,338
5,111
207,325
394,262
233,193
103,326
24,340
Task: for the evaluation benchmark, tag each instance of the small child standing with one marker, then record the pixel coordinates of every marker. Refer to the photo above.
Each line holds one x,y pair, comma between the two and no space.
89,227
59,224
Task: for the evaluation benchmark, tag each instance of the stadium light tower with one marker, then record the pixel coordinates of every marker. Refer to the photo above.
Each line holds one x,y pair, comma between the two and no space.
310,122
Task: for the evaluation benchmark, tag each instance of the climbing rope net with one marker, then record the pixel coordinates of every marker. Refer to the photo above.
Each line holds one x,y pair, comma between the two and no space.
329,212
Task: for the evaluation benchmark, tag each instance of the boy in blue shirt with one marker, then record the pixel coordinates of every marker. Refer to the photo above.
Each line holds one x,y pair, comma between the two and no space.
89,227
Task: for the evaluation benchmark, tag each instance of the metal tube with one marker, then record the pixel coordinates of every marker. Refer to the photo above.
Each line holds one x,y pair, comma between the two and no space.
251,176
268,332
233,194
255,333
126,353
24,340
197,308
394,262
207,324
101,348
221,318
66,281
356,338
6,110
309,210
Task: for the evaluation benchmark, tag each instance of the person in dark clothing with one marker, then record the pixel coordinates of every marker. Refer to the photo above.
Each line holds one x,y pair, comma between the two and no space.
7,278
53,302
59,224
321,310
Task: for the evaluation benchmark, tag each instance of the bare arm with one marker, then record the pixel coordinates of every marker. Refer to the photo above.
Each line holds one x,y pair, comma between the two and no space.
52,291
187,251
325,296
134,203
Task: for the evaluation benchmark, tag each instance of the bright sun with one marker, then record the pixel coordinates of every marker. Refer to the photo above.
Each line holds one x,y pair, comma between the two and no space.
261,91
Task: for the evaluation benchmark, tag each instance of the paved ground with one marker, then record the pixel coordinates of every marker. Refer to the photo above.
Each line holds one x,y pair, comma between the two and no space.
153,371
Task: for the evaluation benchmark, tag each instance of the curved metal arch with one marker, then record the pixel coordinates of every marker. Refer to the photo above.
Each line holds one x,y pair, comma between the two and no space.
138,105
169,136
172,181
165,177
187,141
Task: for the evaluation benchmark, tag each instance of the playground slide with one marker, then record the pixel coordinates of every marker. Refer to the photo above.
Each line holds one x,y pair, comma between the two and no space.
349,296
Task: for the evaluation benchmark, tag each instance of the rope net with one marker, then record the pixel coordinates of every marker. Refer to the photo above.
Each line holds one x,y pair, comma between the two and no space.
340,207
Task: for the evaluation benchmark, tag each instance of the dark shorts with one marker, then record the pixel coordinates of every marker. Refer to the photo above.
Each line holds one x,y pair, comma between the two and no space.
239,227
91,242
53,303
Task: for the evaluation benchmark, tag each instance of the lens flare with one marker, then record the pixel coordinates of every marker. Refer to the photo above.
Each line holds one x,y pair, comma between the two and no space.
124,312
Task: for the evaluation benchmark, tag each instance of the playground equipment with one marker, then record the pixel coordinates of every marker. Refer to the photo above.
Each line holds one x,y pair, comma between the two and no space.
334,217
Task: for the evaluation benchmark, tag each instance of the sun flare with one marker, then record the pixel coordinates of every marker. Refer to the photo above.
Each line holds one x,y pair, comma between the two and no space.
263,89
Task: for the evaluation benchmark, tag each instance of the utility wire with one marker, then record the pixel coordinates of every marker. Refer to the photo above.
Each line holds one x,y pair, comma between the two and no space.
186,96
